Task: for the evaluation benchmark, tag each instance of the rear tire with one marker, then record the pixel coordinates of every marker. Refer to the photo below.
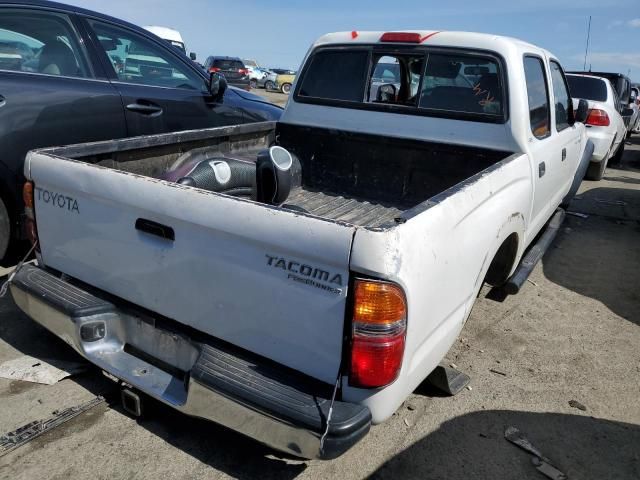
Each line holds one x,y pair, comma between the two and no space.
617,157
286,88
5,229
595,171
269,85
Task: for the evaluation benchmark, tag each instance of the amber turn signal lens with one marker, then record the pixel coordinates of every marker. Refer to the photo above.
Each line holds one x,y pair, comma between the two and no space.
378,303
27,194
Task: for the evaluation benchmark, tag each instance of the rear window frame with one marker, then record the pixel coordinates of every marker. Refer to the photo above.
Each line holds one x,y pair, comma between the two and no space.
391,49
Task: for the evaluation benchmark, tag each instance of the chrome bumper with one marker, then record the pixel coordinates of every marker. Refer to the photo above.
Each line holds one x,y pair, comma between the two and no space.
196,378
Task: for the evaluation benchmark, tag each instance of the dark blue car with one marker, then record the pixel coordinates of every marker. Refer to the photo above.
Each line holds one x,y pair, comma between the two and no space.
69,75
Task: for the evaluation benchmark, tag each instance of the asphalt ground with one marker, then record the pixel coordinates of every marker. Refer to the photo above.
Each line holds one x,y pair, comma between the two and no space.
571,335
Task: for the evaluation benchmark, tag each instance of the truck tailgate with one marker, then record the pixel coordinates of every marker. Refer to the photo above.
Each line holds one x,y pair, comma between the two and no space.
265,279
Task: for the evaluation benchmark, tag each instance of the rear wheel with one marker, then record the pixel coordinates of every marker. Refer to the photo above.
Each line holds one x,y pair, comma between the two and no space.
617,157
596,170
5,229
269,85
286,88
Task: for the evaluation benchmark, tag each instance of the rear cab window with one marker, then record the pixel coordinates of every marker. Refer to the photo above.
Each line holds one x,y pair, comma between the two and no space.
465,85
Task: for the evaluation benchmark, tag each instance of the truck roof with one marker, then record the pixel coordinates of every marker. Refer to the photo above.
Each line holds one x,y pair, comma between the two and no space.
484,41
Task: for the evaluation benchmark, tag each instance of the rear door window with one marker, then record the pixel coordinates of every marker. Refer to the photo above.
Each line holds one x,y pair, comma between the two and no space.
538,95
40,42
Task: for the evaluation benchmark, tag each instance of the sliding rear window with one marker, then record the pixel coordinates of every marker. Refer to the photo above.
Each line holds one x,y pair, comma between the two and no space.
406,80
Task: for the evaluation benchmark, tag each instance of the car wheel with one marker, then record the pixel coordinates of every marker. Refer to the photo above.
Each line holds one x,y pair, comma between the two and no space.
5,229
286,88
617,157
269,85
253,83
628,134
595,171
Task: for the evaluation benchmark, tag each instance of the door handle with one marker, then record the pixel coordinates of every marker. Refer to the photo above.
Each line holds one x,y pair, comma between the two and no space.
155,228
564,154
542,169
145,108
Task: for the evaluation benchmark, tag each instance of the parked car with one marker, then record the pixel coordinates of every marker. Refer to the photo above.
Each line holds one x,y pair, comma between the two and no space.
605,125
635,99
301,293
70,75
284,81
269,81
231,68
622,85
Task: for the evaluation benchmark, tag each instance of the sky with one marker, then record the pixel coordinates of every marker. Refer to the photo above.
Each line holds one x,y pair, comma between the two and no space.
278,34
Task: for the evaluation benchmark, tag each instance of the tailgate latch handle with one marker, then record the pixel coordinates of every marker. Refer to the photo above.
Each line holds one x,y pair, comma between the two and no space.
155,228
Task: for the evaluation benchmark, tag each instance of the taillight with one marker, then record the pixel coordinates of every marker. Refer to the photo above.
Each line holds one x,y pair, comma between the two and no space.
214,70
378,333
243,71
29,211
598,118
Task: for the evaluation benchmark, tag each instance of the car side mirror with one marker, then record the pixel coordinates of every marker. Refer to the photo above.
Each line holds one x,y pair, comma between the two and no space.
192,56
582,112
627,112
217,86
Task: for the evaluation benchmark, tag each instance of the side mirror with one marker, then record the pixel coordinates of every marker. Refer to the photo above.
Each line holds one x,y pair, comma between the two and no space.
582,112
192,56
627,112
217,86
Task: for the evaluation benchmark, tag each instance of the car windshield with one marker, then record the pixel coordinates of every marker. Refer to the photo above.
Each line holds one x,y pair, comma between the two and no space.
588,88
456,83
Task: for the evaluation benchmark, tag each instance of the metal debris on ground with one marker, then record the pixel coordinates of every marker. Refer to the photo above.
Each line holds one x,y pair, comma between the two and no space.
532,282
578,405
49,372
542,463
578,214
498,372
448,380
28,432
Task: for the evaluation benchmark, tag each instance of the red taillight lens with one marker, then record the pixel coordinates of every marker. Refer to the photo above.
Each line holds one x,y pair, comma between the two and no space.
598,118
29,210
378,333
243,71
401,37
214,70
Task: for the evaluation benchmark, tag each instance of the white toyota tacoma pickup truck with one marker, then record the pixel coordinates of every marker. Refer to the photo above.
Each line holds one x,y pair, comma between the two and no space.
296,281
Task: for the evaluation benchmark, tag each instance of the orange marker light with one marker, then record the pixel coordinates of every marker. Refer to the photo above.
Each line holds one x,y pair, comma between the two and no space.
378,303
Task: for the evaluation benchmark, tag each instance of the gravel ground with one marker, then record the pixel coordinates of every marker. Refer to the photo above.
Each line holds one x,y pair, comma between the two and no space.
572,334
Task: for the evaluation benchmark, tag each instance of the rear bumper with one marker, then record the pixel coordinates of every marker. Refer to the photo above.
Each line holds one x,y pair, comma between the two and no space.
200,377
602,143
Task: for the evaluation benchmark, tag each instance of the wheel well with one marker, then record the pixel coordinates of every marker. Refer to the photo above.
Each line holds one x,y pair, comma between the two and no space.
502,262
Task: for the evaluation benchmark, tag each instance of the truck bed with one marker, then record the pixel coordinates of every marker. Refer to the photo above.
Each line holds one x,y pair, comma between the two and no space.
363,180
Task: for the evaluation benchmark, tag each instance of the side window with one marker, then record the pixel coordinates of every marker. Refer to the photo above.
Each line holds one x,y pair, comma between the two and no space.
137,60
538,94
40,42
561,95
336,75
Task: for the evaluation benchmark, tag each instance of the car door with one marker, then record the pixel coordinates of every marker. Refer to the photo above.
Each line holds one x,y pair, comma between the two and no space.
50,92
161,92
542,144
569,137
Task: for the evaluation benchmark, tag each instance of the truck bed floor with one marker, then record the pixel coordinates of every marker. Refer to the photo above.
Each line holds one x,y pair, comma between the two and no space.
347,209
